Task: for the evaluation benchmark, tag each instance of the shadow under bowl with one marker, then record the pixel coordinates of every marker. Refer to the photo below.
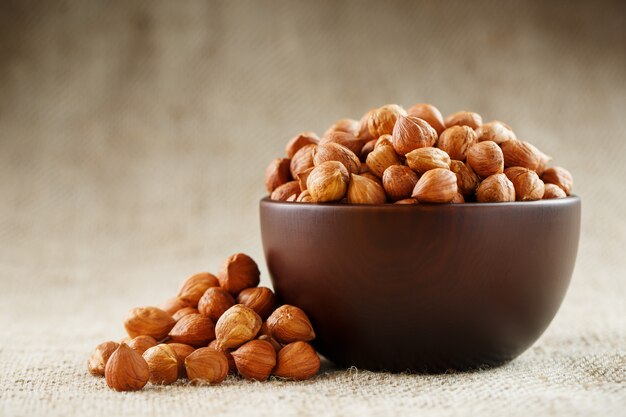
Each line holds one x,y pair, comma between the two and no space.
423,288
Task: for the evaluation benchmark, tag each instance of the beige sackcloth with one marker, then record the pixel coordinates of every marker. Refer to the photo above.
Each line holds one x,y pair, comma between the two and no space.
133,141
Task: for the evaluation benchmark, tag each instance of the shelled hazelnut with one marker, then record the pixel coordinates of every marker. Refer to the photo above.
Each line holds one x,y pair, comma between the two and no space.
388,142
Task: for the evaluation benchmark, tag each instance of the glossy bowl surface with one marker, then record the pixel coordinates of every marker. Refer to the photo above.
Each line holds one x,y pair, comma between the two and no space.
423,288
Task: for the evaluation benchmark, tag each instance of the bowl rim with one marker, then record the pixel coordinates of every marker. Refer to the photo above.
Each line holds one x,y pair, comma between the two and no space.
554,203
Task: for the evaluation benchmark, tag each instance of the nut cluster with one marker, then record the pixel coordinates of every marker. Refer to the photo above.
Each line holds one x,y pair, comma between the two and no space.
216,325
414,156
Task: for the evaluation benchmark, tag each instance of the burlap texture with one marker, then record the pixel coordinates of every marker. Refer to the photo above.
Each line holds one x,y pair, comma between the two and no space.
133,138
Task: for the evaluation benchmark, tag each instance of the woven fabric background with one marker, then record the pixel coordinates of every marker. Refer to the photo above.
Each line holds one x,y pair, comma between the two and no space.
133,140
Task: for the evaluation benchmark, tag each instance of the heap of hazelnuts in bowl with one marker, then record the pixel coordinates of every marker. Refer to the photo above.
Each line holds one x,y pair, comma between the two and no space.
215,325
414,156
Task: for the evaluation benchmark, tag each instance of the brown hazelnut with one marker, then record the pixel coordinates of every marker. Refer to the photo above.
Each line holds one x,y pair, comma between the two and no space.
496,188
382,120
236,326
277,173
126,370
431,114
495,131
399,181
559,177
411,133
485,159
260,299
206,365
424,159
148,321
283,192
436,186
297,361
344,125
289,324
335,152
363,190
299,141
464,118
255,359
142,343
528,186
163,364
98,359
302,160
466,179
344,139
183,312
553,191
215,302
363,132
194,330
194,286
239,272
518,153
328,182
456,141
381,158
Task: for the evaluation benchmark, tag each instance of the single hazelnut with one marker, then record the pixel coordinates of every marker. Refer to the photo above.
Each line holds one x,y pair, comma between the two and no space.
464,118
466,179
297,361
194,330
528,186
236,326
98,359
345,139
399,181
255,359
289,324
363,133
485,159
239,272
302,160
215,302
232,368
553,191
344,125
363,190
407,201
559,177
163,364
496,188
126,370
182,351
366,150
277,173
456,141
381,158
283,192
458,199
206,365
277,346
495,131
431,114
194,286
335,152
411,133
174,304
518,153
299,141
183,312
436,186
148,321
260,299
304,197
382,120
328,182
142,343
424,159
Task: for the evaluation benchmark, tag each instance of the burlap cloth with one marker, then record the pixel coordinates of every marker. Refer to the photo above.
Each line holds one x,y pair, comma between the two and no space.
133,138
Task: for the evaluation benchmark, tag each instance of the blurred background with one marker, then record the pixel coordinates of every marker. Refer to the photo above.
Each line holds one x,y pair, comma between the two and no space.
134,135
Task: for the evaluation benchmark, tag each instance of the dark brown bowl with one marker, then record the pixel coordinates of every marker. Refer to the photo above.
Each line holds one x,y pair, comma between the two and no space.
423,287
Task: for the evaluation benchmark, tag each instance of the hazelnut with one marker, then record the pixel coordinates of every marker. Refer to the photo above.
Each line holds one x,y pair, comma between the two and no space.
363,133
232,368
182,351
297,361
518,153
194,330
485,159
399,181
424,159
436,186
302,160
98,359
163,364
344,125
206,365
411,133
328,182
496,188
335,152
382,120
466,179
528,186
277,173
366,150
194,286
148,321
456,141
559,177
283,192
431,114
299,141
215,302
303,177
260,299
304,197
363,190
458,199
183,312
126,370
255,359
381,158
553,191
174,304
142,343
289,324
236,326
406,201
277,346
495,131
239,272
344,139
464,118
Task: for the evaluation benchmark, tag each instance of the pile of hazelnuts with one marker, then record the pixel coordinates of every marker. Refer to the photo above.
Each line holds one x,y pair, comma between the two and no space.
393,155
